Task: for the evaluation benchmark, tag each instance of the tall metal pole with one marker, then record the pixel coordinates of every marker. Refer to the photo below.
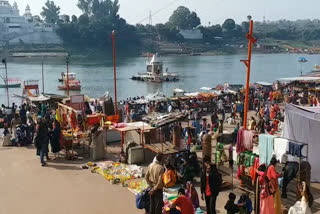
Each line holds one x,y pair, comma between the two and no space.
247,62
114,73
4,61
42,77
67,82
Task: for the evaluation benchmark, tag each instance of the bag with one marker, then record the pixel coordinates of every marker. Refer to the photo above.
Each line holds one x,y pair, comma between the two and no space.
272,187
169,178
264,191
143,200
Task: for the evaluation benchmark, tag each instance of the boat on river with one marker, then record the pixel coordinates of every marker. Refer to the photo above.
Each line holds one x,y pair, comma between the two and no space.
72,83
12,83
155,72
316,68
72,76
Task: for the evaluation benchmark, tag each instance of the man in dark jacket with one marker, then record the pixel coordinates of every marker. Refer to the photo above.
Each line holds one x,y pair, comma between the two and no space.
210,186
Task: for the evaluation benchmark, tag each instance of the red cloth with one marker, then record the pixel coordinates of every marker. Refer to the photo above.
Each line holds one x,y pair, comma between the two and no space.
272,174
255,166
208,190
240,147
184,204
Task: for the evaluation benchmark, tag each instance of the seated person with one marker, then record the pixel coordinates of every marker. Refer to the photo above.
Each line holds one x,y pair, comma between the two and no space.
230,206
169,176
183,203
245,204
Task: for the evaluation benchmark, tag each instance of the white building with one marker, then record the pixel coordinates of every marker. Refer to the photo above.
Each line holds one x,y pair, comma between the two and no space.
14,27
195,34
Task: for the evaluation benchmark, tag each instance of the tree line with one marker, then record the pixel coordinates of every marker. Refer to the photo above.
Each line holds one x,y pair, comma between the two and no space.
92,29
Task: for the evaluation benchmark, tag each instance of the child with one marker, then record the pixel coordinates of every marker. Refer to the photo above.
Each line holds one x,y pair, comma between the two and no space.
245,204
230,206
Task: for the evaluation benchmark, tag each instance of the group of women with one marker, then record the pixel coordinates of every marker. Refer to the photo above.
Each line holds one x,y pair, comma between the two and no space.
267,189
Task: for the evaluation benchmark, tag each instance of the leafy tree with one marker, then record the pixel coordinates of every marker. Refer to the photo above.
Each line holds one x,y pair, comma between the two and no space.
229,25
85,6
74,19
183,18
50,12
209,33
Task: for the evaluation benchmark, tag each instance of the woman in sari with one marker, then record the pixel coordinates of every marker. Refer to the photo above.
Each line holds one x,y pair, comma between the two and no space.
264,200
192,194
273,177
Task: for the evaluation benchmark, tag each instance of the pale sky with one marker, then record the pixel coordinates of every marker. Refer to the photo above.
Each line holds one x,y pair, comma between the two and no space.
214,11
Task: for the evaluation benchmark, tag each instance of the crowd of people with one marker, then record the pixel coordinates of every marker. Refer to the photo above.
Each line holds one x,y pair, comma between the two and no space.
20,129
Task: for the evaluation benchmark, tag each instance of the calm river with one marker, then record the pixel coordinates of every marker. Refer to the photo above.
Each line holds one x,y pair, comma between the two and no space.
195,71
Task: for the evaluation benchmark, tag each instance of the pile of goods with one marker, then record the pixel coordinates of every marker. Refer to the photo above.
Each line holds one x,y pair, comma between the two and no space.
118,172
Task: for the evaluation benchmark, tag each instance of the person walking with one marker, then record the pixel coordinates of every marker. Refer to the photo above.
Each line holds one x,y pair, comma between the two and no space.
55,139
210,186
154,176
42,141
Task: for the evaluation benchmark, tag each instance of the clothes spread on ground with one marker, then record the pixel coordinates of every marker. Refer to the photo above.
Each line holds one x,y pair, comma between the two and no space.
248,139
295,149
265,148
281,147
240,146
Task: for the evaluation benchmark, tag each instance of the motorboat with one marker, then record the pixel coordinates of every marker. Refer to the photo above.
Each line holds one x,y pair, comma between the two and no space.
155,72
316,68
70,83
302,59
74,85
72,76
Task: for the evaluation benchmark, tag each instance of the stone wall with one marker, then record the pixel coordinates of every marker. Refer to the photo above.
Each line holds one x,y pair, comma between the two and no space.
37,38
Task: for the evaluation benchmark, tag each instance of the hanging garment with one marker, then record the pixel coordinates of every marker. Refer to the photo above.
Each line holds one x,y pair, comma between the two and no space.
240,146
295,149
247,139
265,148
255,166
281,147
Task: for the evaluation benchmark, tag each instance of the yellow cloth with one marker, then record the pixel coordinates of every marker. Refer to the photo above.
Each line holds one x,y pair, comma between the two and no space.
277,202
58,115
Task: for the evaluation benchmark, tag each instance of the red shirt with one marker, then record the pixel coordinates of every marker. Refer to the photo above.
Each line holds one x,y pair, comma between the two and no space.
208,190
184,204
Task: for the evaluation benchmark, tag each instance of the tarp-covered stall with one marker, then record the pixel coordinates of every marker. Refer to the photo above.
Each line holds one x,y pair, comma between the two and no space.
302,124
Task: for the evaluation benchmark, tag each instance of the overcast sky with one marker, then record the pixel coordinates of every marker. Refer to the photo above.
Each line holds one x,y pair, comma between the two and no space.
214,11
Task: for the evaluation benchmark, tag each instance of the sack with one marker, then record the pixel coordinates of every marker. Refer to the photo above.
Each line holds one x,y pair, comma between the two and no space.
143,200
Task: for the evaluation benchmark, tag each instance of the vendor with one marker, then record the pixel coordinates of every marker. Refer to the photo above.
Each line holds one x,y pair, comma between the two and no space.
183,203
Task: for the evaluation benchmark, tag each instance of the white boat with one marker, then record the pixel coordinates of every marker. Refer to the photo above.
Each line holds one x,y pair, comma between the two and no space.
316,68
155,72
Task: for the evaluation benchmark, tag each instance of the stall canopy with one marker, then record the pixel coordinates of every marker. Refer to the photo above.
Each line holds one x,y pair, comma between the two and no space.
302,124
264,83
303,79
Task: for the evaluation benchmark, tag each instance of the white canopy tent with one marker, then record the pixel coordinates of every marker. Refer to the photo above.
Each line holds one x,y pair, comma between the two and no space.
302,124
305,79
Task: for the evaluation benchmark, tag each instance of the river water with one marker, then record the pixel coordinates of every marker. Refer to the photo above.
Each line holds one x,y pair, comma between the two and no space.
195,71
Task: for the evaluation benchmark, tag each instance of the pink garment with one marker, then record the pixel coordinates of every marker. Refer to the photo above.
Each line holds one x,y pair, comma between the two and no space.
240,147
273,175
247,139
266,204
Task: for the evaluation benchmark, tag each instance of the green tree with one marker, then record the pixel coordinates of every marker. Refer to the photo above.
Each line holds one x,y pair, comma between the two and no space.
229,25
74,19
183,18
50,12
